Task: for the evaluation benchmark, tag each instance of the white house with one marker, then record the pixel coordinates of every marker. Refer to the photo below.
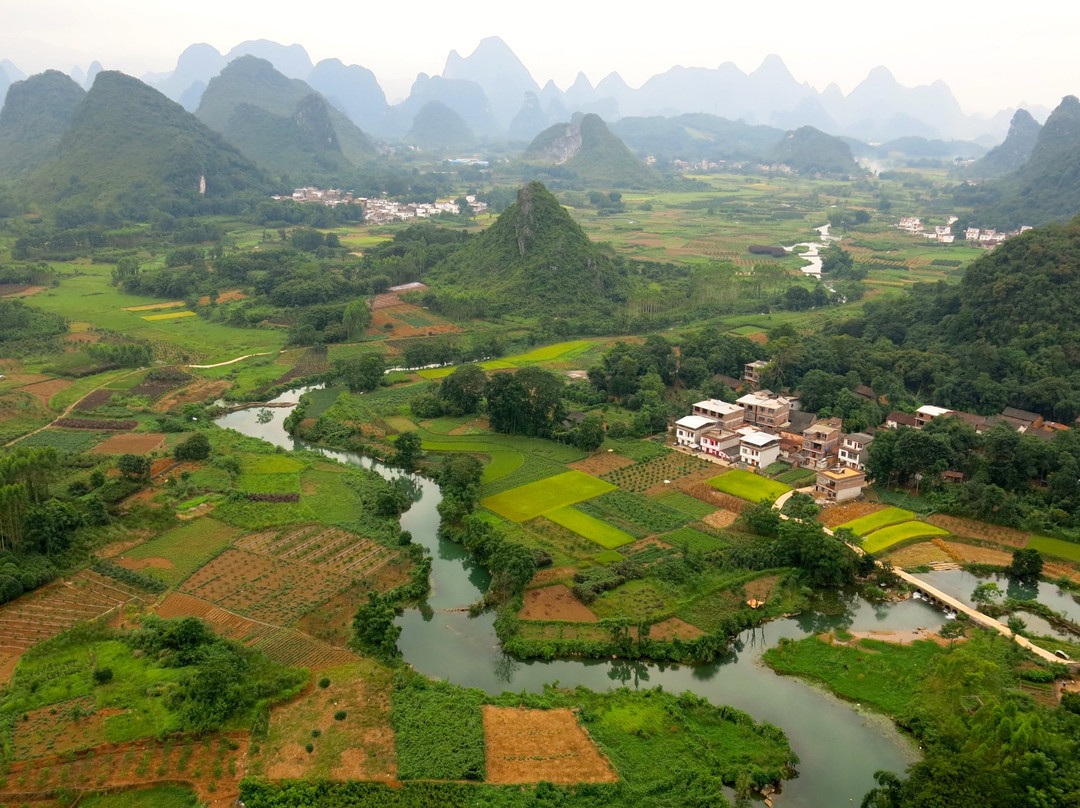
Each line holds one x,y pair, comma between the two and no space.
759,449
689,428
729,416
928,413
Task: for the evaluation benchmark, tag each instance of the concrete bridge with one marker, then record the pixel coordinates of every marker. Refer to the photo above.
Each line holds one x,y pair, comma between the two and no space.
936,597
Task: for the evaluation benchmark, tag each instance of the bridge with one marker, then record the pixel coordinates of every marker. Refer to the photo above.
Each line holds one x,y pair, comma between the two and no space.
936,597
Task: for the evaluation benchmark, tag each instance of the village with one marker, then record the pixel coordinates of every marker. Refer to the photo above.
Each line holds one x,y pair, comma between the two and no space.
943,234
380,210
763,428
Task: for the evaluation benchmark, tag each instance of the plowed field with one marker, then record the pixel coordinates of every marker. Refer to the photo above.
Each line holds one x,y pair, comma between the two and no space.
527,746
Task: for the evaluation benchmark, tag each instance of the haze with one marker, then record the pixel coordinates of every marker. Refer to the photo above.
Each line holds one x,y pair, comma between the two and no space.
990,55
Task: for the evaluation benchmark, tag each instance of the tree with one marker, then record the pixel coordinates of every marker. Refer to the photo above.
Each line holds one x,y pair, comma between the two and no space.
986,593
50,525
356,318
589,434
362,373
407,450
374,631
693,371
197,447
134,466
528,402
1027,565
462,391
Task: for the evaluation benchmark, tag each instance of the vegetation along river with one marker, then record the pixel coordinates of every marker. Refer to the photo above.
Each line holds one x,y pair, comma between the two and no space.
839,745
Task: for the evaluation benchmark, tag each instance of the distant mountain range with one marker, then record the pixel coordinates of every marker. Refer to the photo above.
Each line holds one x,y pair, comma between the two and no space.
496,95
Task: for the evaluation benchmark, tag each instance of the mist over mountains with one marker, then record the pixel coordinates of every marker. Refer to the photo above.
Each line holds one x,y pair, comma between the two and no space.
496,96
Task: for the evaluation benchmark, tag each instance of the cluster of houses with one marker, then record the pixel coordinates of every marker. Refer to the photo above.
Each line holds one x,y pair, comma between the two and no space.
382,211
942,233
762,428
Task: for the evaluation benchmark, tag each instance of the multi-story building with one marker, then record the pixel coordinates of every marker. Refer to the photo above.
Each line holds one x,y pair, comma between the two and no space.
839,484
752,373
759,449
688,430
729,416
821,441
853,451
765,409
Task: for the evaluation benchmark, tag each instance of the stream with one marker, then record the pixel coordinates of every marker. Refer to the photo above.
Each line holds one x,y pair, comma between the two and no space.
839,745
813,251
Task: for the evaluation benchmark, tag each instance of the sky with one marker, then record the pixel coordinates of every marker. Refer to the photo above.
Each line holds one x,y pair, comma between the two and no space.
992,54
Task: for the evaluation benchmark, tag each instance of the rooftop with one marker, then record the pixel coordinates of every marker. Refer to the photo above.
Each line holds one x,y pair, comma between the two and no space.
760,439
716,405
841,474
932,411
695,422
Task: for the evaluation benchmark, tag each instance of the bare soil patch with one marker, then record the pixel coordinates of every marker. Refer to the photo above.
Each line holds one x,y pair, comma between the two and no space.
706,493
43,391
602,463
674,629
23,291
81,337
978,555
550,574
91,401
980,530
555,603
9,659
761,588
917,555
528,746
720,518
60,728
118,548
131,443
390,315
479,424
224,297
838,514
196,392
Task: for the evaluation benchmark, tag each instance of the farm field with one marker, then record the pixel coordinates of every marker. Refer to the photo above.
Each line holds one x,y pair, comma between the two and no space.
749,486
879,519
1055,547
591,528
173,556
560,352
530,746
535,499
886,537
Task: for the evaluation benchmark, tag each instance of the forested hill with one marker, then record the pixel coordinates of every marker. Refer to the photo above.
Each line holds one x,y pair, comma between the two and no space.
1044,189
131,145
595,155
811,151
535,259
36,114
1008,335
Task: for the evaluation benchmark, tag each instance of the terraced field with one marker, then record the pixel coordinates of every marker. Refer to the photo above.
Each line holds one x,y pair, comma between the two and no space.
282,645
56,608
330,549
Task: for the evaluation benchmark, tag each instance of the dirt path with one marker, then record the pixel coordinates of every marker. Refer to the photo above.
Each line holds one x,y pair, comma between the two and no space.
70,408
231,361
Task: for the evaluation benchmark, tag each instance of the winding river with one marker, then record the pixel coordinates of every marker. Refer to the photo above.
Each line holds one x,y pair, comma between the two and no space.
840,745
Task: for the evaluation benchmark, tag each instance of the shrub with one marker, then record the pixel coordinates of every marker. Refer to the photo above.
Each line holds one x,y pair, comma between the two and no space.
103,676
310,747
324,682
340,715
197,447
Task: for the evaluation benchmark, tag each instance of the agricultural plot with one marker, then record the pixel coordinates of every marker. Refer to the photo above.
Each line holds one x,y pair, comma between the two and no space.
331,549
63,440
359,747
886,537
693,539
686,504
748,486
174,555
661,470
1055,547
529,501
591,528
635,514
530,746
879,519
286,646
212,764
54,609
131,443
268,589
560,352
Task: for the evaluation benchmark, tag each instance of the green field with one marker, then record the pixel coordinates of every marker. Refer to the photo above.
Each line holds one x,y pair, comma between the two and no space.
529,501
886,537
1055,547
590,527
749,486
692,539
879,519
186,548
559,352
684,503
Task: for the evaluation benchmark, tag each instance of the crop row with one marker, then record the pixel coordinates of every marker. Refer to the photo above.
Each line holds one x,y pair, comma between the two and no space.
649,516
94,423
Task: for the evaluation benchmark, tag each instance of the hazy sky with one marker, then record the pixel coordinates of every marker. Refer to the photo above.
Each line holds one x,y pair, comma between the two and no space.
993,54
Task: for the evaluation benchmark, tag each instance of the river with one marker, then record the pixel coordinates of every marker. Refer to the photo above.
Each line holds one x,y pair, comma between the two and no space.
813,254
840,745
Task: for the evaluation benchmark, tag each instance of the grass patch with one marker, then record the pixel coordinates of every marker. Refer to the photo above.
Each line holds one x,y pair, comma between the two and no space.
883,674
438,730
1055,547
748,486
159,797
797,478
325,491
259,515
529,501
591,528
561,351
878,519
187,548
886,537
647,516
65,440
